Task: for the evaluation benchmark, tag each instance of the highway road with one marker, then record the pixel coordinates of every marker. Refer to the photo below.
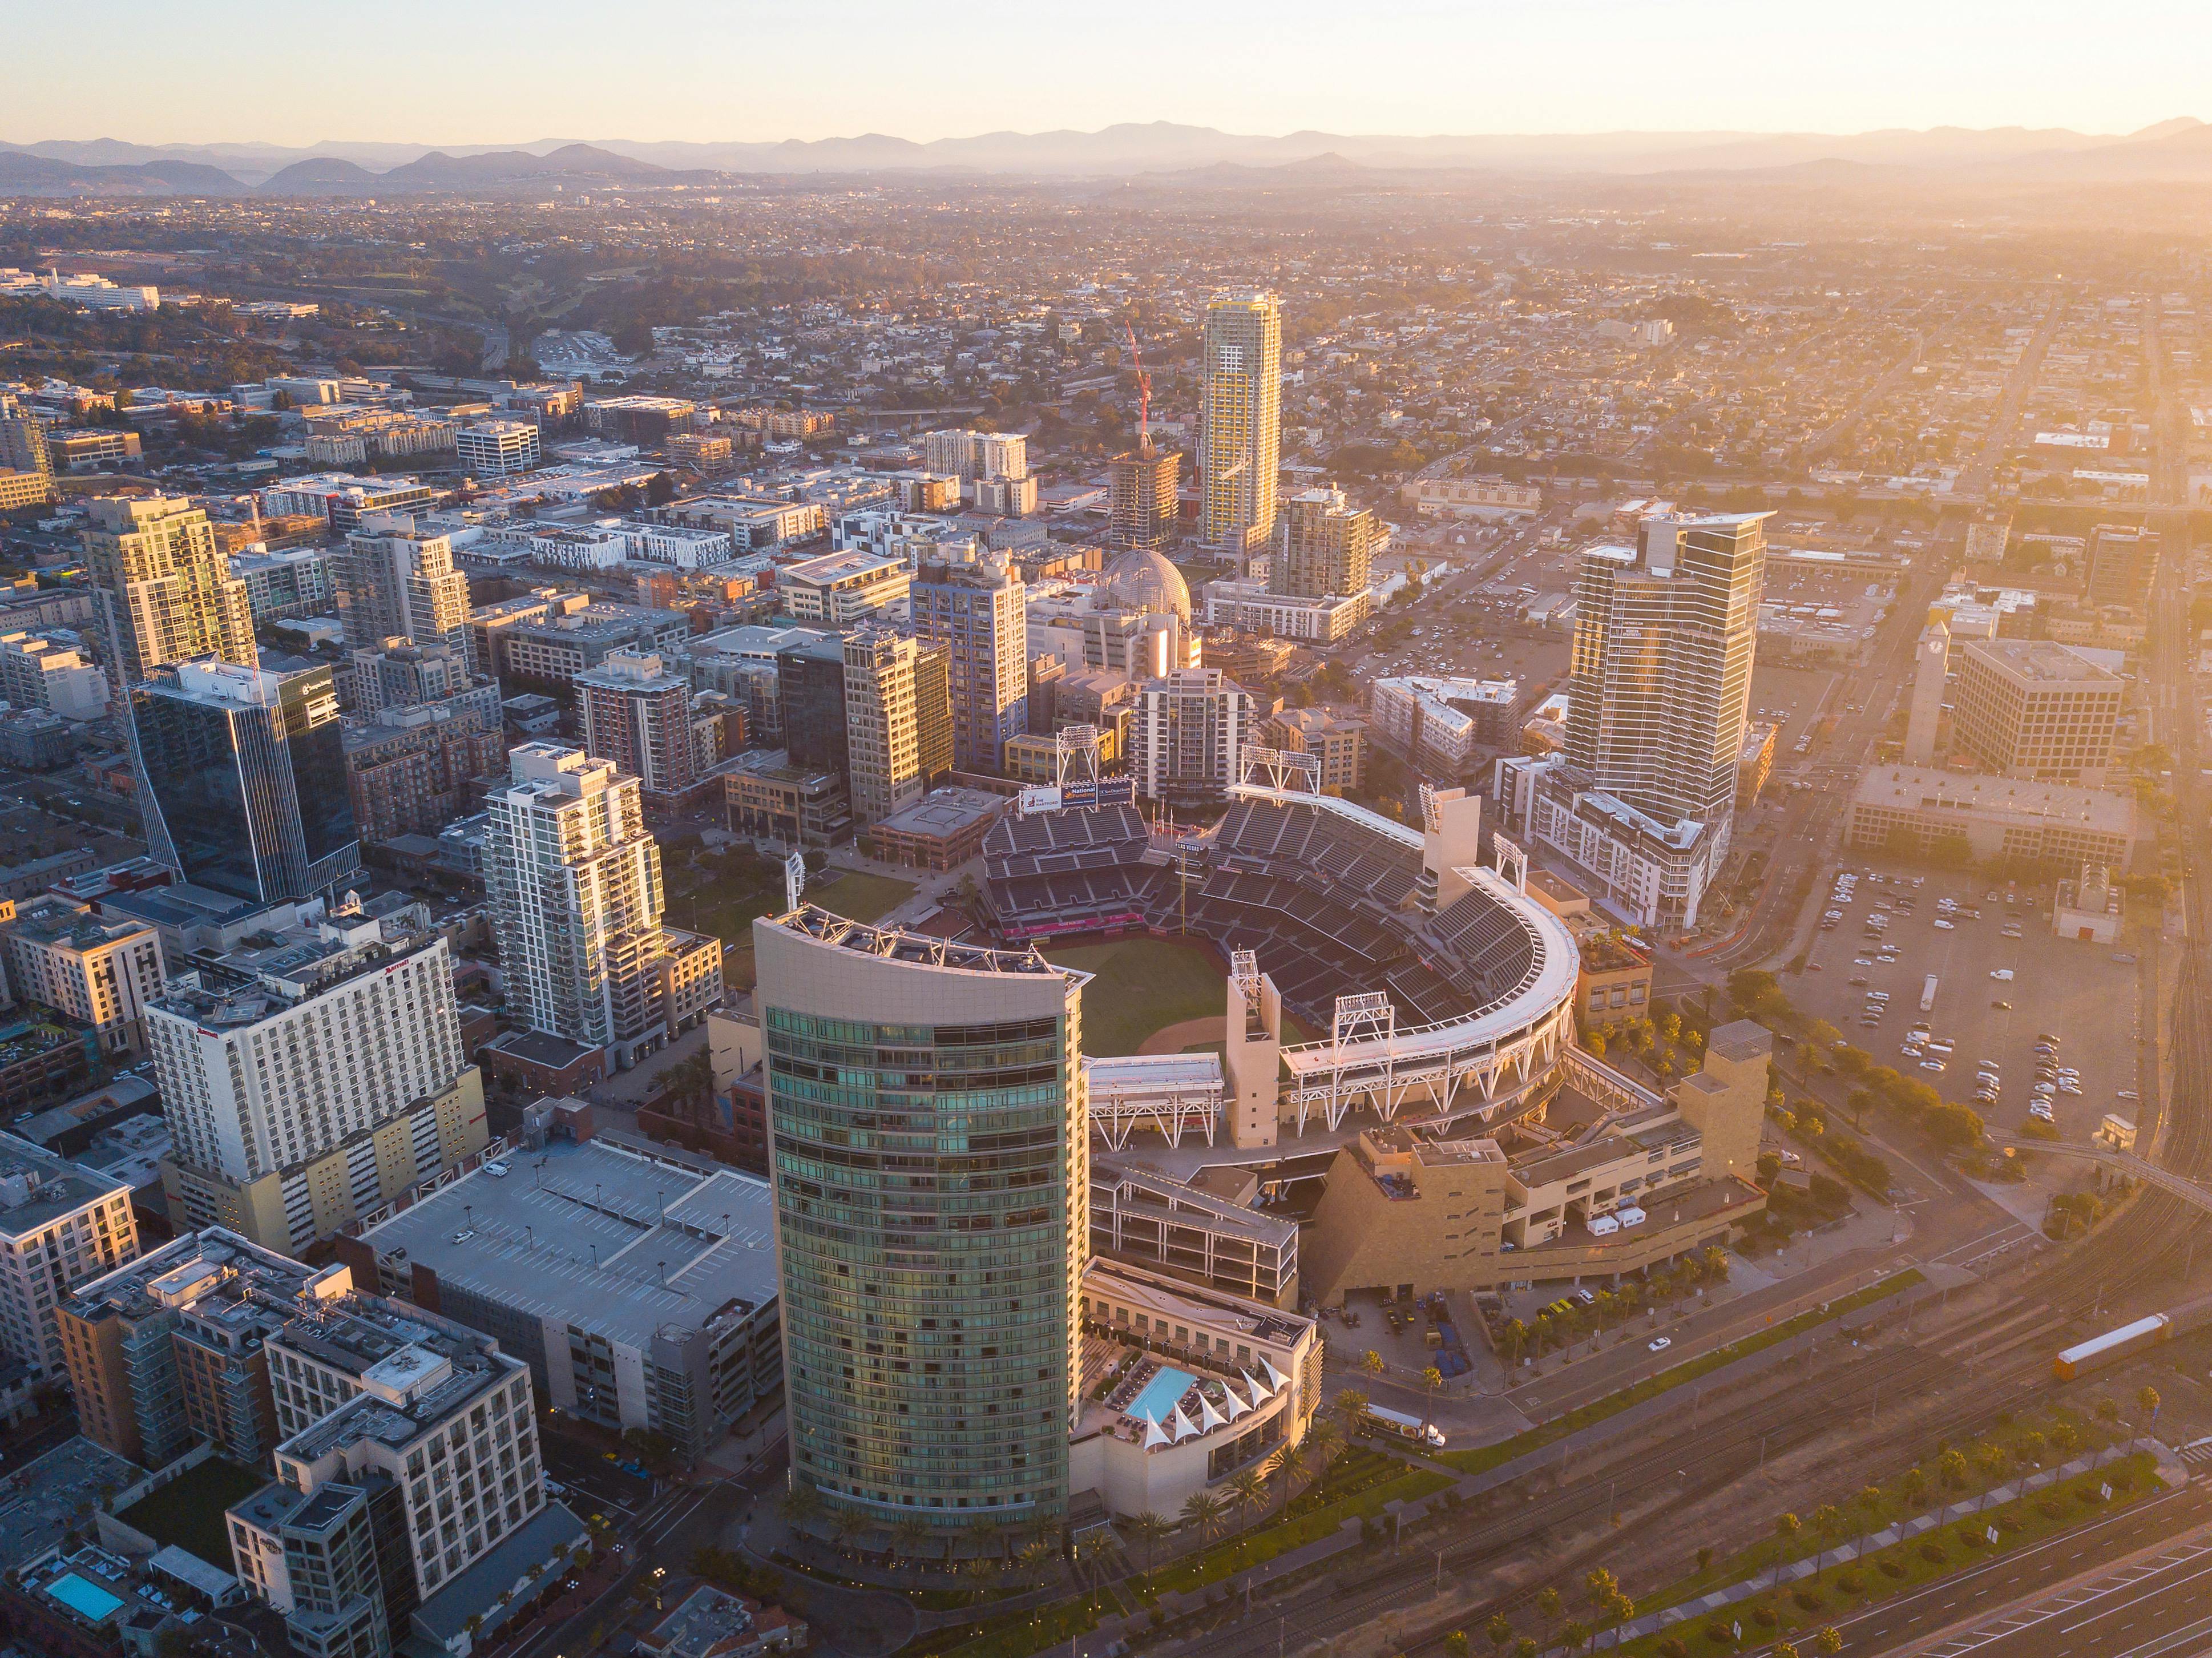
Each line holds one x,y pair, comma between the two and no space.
2099,1589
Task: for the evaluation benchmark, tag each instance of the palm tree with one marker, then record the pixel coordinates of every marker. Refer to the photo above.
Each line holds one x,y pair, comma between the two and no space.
801,1503
1204,1511
1322,1439
907,1537
1148,1528
1248,1487
989,1537
1352,1405
1036,1554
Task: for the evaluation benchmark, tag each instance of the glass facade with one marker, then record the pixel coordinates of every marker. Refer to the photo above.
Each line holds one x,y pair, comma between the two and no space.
925,1180
247,797
810,685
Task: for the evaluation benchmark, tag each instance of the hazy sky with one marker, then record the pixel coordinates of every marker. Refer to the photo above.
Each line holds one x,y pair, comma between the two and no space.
487,71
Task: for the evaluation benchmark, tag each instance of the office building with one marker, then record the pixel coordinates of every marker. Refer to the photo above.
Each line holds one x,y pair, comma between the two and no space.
1240,422
789,806
1325,546
61,1226
2030,708
1188,735
395,581
2122,565
840,589
497,448
930,1333
574,882
52,674
167,593
1140,498
1931,660
243,783
636,712
898,721
311,1075
810,682
344,501
975,611
640,417
1659,681
1636,1188
1918,812
172,1347
637,1280
572,637
101,971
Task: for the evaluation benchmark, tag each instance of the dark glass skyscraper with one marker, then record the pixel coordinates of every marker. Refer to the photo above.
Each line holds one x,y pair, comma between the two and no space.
810,679
931,1156
243,774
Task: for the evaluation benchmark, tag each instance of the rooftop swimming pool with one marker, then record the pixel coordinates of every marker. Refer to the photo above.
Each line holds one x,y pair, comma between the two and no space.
1160,1394
87,1600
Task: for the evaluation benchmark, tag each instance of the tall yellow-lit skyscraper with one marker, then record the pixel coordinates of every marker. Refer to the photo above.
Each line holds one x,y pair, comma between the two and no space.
1241,420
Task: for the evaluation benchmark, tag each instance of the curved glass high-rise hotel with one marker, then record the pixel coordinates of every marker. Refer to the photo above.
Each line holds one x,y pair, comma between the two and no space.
930,1149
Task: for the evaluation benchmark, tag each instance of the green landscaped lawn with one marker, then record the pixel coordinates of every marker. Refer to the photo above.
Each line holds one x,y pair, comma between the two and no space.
1140,986
1812,1603
188,1510
861,897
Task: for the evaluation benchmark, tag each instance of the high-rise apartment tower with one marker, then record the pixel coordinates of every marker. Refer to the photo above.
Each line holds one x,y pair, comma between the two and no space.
1240,421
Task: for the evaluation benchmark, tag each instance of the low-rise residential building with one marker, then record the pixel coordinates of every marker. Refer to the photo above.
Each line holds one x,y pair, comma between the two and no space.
52,674
172,1347
1247,605
1755,761
1441,727
1335,736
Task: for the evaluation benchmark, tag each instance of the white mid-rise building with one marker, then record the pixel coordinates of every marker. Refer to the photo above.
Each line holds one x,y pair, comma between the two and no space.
310,1080
497,448
1188,737
573,880
37,672
101,971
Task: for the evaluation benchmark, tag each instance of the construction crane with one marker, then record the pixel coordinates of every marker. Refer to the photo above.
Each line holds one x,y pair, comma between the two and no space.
1144,394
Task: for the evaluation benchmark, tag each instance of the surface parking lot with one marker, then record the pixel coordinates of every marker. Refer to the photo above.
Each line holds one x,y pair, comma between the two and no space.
2077,991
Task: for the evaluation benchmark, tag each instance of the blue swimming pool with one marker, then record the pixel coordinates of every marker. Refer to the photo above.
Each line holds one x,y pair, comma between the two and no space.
1160,1394
87,1599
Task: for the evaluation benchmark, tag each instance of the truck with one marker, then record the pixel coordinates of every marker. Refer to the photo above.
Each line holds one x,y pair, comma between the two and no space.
1928,994
2112,1346
1379,1421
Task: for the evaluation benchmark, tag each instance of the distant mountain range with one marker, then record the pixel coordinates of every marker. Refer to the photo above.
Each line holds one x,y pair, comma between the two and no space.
2178,151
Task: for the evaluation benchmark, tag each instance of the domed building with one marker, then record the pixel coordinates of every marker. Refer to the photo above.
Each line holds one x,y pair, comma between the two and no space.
1142,580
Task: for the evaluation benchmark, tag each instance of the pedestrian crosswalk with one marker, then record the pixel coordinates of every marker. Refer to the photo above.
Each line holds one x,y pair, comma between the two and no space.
2196,1451
2042,1612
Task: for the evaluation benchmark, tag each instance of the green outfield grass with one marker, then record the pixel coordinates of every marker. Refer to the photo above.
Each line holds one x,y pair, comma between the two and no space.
1142,985
861,897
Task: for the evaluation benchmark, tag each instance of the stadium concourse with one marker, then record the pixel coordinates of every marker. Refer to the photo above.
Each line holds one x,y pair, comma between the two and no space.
1445,990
